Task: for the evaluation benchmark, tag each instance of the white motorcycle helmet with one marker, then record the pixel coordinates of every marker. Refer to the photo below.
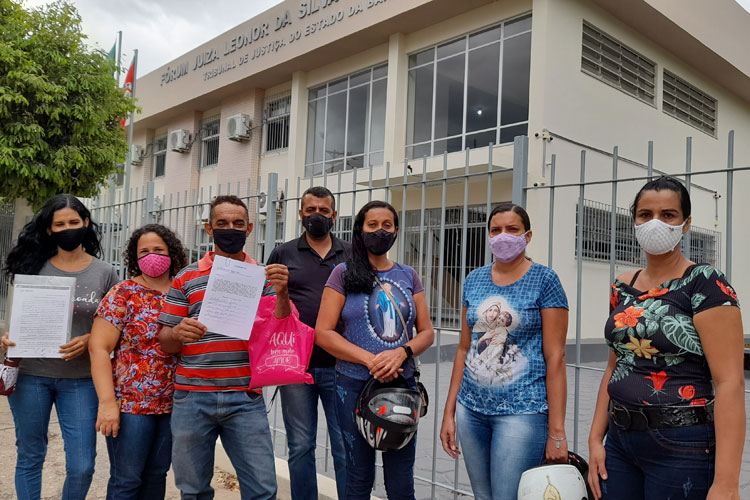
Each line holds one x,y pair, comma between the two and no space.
552,482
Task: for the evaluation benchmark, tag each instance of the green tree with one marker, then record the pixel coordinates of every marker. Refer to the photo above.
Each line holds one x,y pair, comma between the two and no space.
60,108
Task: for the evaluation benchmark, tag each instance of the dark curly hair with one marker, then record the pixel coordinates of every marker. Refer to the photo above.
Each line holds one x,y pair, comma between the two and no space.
35,246
174,248
360,275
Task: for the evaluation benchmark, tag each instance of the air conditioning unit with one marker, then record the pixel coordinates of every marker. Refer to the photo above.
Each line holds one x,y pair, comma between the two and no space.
263,202
238,127
137,153
179,140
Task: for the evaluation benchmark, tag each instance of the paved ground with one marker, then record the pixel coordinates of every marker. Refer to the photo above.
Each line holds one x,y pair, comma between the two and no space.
452,474
446,471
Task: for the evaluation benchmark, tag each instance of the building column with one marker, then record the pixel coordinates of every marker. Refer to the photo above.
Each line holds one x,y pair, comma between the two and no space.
395,108
297,127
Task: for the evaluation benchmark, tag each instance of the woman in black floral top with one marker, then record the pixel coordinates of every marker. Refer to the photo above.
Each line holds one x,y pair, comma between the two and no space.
675,369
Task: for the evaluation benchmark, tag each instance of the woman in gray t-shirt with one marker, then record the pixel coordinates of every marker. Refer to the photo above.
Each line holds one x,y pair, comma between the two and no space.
60,240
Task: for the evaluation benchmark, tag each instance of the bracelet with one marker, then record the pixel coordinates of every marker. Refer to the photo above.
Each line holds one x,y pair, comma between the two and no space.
557,440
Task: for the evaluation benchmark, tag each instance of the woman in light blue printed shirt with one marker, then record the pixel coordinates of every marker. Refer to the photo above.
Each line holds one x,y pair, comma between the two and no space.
508,389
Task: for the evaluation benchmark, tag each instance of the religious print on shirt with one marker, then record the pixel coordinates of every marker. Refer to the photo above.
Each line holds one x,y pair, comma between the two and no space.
505,372
383,319
371,321
498,358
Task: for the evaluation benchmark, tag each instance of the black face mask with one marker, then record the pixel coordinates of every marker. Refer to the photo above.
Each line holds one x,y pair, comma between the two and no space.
69,239
230,241
317,225
378,242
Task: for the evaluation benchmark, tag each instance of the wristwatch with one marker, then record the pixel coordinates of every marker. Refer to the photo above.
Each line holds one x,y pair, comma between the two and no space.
409,352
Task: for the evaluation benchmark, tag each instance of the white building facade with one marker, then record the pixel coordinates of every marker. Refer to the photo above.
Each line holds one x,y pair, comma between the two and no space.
385,97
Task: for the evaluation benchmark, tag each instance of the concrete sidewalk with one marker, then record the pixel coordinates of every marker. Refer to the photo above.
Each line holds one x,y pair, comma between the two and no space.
53,475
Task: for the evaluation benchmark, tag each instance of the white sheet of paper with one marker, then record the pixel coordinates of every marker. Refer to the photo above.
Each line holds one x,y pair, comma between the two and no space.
232,296
41,316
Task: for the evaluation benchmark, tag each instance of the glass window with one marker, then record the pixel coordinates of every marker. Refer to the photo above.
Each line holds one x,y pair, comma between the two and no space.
470,92
484,37
160,156
481,89
335,125
419,116
316,119
359,98
421,58
449,96
377,130
346,123
451,48
209,131
516,67
517,26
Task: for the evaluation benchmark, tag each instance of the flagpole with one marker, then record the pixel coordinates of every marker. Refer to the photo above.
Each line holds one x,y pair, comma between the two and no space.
129,159
119,55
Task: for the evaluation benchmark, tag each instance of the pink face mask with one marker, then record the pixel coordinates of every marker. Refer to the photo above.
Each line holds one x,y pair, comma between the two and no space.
154,264
506,247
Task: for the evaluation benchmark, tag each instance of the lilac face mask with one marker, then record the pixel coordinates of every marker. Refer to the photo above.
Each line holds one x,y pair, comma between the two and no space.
506,247
154,264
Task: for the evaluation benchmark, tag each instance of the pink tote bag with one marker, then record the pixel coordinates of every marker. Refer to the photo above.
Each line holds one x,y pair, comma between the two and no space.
279,349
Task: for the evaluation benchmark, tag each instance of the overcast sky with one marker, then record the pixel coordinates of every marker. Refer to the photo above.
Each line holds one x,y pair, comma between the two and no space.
161,30
165,29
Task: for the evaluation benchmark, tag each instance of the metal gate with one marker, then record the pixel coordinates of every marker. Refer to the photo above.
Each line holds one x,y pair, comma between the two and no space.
578,214
7,214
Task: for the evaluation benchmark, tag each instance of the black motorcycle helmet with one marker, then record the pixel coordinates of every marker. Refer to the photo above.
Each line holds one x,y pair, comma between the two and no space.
387,413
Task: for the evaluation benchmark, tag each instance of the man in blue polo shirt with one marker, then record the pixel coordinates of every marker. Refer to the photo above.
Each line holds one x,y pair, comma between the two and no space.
310,259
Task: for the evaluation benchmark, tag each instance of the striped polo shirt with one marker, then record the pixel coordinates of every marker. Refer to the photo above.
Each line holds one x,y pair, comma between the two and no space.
216,362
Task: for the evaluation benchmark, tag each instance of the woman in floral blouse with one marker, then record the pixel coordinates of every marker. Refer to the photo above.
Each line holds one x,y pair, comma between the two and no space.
671,401
135,388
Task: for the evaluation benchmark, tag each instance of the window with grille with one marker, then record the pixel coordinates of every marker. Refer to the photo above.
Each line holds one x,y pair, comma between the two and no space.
689,104
597,220
616,64
160,156
277,110
470,91
346,123
210,128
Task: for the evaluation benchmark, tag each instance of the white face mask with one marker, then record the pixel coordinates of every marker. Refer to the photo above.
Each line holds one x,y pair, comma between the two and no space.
657,237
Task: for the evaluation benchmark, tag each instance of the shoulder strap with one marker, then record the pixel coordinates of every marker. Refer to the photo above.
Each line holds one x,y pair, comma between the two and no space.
635,277
395,306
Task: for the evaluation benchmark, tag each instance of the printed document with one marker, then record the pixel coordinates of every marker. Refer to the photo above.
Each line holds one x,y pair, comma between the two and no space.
41,315
232,296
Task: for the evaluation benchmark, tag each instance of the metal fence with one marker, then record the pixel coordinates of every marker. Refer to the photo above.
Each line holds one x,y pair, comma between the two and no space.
7,214
443,204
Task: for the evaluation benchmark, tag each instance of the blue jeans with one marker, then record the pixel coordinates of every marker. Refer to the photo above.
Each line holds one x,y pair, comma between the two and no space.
657,464
398,465
299,407
497,449
139,457
76,405
239,419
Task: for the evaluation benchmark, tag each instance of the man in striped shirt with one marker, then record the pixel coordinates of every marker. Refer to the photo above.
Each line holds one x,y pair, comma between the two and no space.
212,396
